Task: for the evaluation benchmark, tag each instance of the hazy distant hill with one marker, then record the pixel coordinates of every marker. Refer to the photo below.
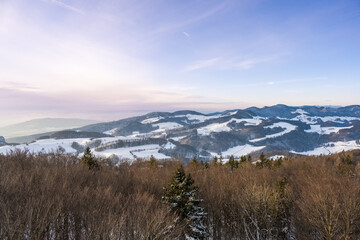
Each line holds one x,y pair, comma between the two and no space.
38,126
2,141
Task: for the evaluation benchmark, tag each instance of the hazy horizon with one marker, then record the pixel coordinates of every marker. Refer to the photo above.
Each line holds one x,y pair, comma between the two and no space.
110,59
146,112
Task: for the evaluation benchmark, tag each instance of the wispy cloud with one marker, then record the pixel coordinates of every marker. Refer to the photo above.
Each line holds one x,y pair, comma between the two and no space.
64,5
297,80
18,86
203,64
225,64
177,25
186,34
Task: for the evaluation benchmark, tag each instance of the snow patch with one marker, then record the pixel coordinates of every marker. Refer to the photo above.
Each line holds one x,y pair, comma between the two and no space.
325,130
151,120
169,145
132,153
222,127
111,131
177,138
241,150
238,151
46,145
215,127
168,125
332,147
276,157
287,126
300,111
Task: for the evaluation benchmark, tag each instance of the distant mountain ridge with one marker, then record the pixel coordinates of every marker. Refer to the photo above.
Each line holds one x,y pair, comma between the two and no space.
186,134
42,125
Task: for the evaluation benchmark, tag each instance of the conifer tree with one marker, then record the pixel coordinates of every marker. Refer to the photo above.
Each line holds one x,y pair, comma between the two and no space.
215,161
232,163
89,161
283,220
194,164
264,162
206,165
181,196
152,162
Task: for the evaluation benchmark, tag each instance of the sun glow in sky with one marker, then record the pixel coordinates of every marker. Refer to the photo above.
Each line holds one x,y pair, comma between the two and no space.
110,59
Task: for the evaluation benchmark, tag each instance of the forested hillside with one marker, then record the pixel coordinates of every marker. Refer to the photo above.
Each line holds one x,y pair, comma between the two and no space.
58,196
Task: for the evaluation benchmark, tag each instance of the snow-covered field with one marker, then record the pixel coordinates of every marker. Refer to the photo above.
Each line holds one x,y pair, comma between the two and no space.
168,125
215,127
222,127
313,120
238,151
325,130
131,153
287,126
332,147
241,150
46,145
53,145
151,120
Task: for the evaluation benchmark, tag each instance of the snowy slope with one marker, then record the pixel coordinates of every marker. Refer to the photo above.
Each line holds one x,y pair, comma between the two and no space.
186,134
286,126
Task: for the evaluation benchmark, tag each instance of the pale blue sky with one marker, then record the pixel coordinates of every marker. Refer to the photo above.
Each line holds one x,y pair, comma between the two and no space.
110,59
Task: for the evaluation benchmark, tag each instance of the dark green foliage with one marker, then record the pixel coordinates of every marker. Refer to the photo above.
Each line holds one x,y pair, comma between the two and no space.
348,160
89,161
242,159
206,165
277,163
215,161
264,162
181,196
232,163
346,167
284,206
152,162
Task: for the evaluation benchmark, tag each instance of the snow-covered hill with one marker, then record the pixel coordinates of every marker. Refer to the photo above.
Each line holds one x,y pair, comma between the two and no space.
187,134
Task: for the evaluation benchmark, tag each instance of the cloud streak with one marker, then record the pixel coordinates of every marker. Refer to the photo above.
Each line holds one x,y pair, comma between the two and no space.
65,6
220,63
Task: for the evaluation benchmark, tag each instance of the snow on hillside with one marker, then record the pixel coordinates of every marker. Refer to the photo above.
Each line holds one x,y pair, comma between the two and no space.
131,153
249,121
300,111
169,145
287,126
222,127
111,131
198,118
325,130
332,147
241,150
203,118
168,125
303,117
46,145
276,157
151,120
215,127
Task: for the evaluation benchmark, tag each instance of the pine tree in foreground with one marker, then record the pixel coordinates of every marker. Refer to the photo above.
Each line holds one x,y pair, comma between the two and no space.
89,161
181,196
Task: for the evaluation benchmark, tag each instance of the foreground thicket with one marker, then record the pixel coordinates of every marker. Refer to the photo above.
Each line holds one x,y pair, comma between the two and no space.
53,196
